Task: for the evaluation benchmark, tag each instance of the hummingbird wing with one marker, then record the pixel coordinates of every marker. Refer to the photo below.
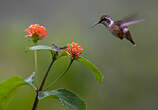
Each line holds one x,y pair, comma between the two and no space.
127,23
129,20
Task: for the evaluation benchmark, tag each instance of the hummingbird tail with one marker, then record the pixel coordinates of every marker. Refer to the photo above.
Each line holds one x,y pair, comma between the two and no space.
134,44
129,37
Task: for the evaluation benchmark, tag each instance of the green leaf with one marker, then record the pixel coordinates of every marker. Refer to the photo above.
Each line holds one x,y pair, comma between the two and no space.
39,47
30,80
8,88
99,76
66,97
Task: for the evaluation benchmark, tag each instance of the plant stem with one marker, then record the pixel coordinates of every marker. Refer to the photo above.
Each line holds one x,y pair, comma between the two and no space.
42,85
35,101
45,77
36,63
60,76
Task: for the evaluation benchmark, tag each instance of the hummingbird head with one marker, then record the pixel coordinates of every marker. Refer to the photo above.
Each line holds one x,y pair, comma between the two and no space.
105,20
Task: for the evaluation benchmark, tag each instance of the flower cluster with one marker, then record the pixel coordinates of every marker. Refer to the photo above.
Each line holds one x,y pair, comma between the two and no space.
74,50
36,32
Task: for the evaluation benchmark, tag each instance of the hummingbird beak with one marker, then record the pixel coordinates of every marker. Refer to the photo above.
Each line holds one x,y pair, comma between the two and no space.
95,24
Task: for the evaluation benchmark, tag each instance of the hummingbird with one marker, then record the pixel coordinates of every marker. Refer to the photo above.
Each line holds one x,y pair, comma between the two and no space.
119,28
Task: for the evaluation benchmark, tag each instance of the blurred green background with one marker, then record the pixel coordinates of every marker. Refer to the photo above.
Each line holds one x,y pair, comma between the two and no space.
131,73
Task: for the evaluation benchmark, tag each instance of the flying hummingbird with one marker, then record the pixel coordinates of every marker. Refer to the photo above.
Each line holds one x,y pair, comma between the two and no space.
119,28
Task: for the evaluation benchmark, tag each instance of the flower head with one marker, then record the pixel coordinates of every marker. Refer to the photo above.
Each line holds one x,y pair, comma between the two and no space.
74,50
36,32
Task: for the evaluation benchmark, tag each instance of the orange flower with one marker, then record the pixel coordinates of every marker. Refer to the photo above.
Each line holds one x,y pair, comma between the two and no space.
74,50
36,32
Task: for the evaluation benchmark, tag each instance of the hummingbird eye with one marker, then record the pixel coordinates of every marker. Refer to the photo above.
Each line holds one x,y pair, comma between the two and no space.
105,19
